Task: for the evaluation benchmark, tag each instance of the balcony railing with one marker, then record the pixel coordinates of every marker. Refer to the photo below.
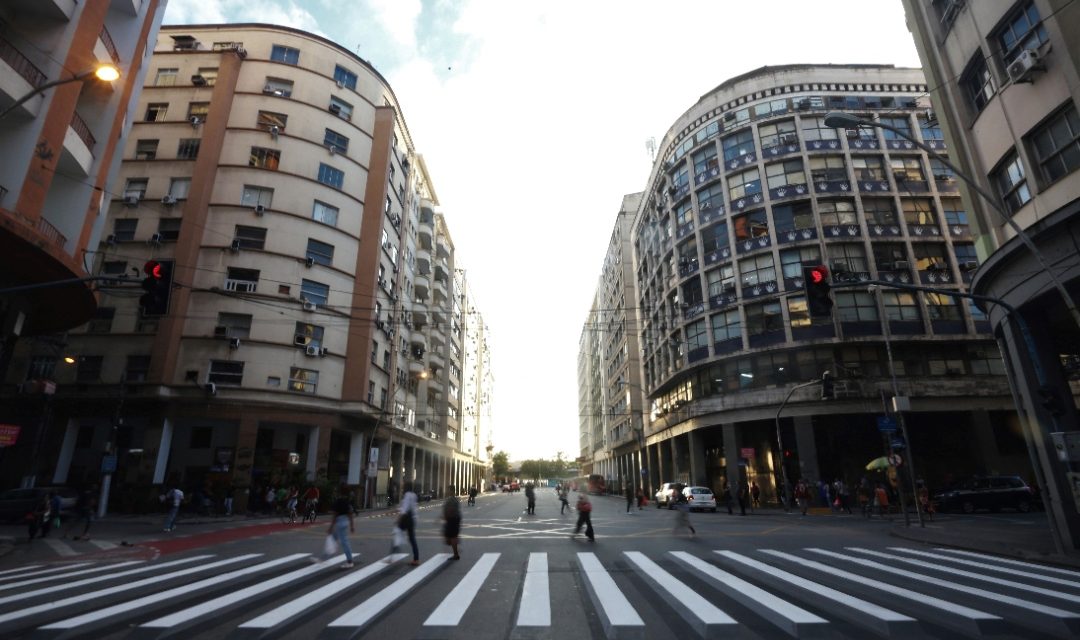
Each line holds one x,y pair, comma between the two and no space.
49,231
110,46
83,131
20,63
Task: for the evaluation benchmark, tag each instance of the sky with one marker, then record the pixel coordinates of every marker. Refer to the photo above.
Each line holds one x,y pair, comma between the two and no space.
533,116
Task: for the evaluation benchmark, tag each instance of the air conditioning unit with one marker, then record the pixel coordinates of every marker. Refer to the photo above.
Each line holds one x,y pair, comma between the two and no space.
340,84
235,246
839,266
901,265
729,116
379,324
332,149
851,133
1028,62
300,340
155,239
241,52
234,343
931,116
195,121
259,209
131,201
310,262
788,138
221,331
274,131
270,91
969,265
310,306
110,240
382,283
803,104
211,388
198,80
335,108
311,350
935,265
168,200
322,351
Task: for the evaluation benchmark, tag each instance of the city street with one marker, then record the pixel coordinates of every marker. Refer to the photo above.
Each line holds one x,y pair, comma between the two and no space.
768,574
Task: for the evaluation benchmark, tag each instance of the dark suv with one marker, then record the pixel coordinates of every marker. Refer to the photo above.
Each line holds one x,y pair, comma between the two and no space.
987,492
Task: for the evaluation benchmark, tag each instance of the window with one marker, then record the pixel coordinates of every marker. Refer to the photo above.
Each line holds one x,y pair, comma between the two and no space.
371,393
907,170
696,335
828,169
102,322
330,176
165,77
780,133
900,306
1056,145
706,161
798,311
1011,183
721,280
868,168
966,255
250,237
726,326
930,128
333,139
253,196
279,87
942,307
308,335
198,110
267,119
209,75
782,174
793,217
738,145
41,368
854,306
837,212
225,372
315,292
714,238
978,83
815,129
746,183
264,158
345,77
88,368
711,198
187,149
241,280
886,255
303,380
919,211
136,187
288,55
124,229
169,229
325,213
146,149
114,267
340,108
880,211
901,123
320,252
179,187
156,111
930,256
792,260
757,270
764,318
237,325
1024,30
955,215
137,368
847,257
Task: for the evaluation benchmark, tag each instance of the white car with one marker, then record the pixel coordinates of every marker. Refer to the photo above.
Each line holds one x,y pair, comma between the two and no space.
700,498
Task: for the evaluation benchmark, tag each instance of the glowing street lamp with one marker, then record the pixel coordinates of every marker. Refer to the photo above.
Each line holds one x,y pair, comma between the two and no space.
104,72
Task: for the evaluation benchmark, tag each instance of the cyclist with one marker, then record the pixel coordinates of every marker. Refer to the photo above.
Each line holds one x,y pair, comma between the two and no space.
472,495
311,502
290,503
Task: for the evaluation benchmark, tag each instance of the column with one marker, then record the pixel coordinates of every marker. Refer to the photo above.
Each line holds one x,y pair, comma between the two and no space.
696,443
246,434
67,450
676,469
311,463
806,446
982,432
356,458
730,435
165,445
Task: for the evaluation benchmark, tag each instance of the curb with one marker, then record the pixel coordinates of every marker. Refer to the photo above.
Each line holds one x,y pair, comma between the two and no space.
982,545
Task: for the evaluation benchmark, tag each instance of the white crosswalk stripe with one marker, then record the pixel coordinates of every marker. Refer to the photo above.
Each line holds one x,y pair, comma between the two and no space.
852,592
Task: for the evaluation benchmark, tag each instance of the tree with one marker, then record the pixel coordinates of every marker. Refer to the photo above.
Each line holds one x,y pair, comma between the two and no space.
500,464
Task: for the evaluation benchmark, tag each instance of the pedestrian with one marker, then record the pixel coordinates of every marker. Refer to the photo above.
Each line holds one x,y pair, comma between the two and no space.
452,524
725,495
172,499
37,519
823,493
584,509
743,496
530,497
755,496
682,518
882,499
640,496
802,495
843,496
343,518
268,500
408,515
629,498
925,503
229,492
84,510
472,495
563,499
865,495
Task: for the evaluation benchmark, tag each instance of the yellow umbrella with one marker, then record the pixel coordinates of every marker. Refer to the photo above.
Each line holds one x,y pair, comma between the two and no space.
878,463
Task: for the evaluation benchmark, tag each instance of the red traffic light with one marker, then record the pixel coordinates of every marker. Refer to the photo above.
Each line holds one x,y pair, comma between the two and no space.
153,269
818,274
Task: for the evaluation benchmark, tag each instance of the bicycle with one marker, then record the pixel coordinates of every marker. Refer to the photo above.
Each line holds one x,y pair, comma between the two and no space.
289,514
309,512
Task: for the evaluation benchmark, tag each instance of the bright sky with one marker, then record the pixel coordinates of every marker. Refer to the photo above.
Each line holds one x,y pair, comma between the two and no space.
532,116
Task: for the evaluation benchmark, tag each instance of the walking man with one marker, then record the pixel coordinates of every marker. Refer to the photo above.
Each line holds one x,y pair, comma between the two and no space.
84,507
682,505
407,520
744,496
173,498
725,495
343,517
629,498
584,518
755,496
452,524
563,499
530,496
802,495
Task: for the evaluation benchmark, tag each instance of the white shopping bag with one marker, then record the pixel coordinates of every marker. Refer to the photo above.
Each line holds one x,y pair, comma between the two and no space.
330,547
399,538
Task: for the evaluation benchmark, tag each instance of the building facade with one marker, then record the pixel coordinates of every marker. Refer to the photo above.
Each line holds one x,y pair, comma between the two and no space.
61,149
1005,80
749,187
306,334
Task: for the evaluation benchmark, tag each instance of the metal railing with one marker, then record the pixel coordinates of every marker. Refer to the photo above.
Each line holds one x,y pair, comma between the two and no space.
110,46
21,64
49,231
83,131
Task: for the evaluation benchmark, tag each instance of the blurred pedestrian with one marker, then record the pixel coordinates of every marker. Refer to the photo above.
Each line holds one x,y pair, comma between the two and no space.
343,519
682,517
881,497
925,503
743,497
229,492
268,500
629,498
530,497
564,500
38,519
452,524
802,495
173,498
84,513
755,496
584,509
408,515
843,496
725,495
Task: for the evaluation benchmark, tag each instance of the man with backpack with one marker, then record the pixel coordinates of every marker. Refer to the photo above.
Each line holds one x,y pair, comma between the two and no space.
584,509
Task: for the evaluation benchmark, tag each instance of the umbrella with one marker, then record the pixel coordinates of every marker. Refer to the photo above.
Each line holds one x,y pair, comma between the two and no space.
878,463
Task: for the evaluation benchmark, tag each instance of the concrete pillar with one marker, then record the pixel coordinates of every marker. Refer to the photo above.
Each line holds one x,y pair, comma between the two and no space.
165,446
676,468
311,464
806,445
696,444
67,450
399,472
356,458
730,435
246,434
982,432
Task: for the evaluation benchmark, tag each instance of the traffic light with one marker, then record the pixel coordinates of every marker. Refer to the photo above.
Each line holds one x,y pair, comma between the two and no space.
158,287
816,282
827,392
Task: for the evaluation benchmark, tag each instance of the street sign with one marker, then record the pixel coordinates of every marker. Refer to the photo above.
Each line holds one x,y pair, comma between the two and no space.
108,464
895,460
746,452
373,469
886,424
9,434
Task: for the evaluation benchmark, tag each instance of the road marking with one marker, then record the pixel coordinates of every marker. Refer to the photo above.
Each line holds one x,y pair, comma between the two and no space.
865,614
132,606
534,610
794,620
990,567
103,544
283,613
64,576
698,612
83,598
352,621
453,606
28,567
59,569
60,548
618,616
1017,563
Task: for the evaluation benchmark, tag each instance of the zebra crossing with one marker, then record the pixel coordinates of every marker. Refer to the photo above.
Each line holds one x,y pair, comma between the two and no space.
855,592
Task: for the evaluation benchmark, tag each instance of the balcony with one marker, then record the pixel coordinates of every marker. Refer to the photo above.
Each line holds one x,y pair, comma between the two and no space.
106,41
53,9
436,359
422,285
418,340
18,77
78,154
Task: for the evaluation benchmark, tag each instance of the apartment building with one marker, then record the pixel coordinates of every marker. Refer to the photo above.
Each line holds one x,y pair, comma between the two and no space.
1004,78
306,334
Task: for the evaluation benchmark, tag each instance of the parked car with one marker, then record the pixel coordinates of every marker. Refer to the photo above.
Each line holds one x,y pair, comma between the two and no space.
16,503
987,492
700,498
665,496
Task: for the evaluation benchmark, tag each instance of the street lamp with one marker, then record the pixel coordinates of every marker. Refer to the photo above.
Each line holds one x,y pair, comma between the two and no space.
104,72
841,120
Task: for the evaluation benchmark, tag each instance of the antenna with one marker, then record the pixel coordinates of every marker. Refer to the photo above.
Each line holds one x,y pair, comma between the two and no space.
650,146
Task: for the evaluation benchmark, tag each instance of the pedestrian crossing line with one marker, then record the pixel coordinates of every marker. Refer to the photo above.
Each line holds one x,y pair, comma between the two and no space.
1015,563
868,615
32,570
101,617
83,598
698,612
85,581
104,545
182,620
1057,621
352,622
617,615
65,576
289,611
1049,593
61,548
449,613
793,620
29,567
960,618
990,567
534,610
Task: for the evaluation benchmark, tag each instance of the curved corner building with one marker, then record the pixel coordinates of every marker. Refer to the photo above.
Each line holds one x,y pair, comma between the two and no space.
750,186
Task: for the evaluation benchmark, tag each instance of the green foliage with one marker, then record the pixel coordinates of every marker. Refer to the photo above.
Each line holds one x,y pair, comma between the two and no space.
500,464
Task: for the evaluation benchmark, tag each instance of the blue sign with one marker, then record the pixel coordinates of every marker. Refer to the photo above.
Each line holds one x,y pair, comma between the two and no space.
886,423
108,464
897,443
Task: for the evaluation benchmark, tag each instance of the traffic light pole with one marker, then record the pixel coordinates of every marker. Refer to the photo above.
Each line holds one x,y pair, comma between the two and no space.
64,283
785,490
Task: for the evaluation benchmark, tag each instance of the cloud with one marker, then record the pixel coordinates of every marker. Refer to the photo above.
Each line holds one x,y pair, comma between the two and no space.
279,12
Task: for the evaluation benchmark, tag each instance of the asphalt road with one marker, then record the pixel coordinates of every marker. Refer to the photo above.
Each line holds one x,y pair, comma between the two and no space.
522,576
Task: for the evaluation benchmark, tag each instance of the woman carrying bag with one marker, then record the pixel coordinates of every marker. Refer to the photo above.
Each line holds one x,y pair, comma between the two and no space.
337,535
407,522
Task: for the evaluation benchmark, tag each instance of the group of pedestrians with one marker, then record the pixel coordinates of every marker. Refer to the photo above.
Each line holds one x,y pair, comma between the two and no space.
45,515
745,496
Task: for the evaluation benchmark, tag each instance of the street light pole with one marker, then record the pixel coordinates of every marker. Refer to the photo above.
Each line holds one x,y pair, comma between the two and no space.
106,72
784,498
841,120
